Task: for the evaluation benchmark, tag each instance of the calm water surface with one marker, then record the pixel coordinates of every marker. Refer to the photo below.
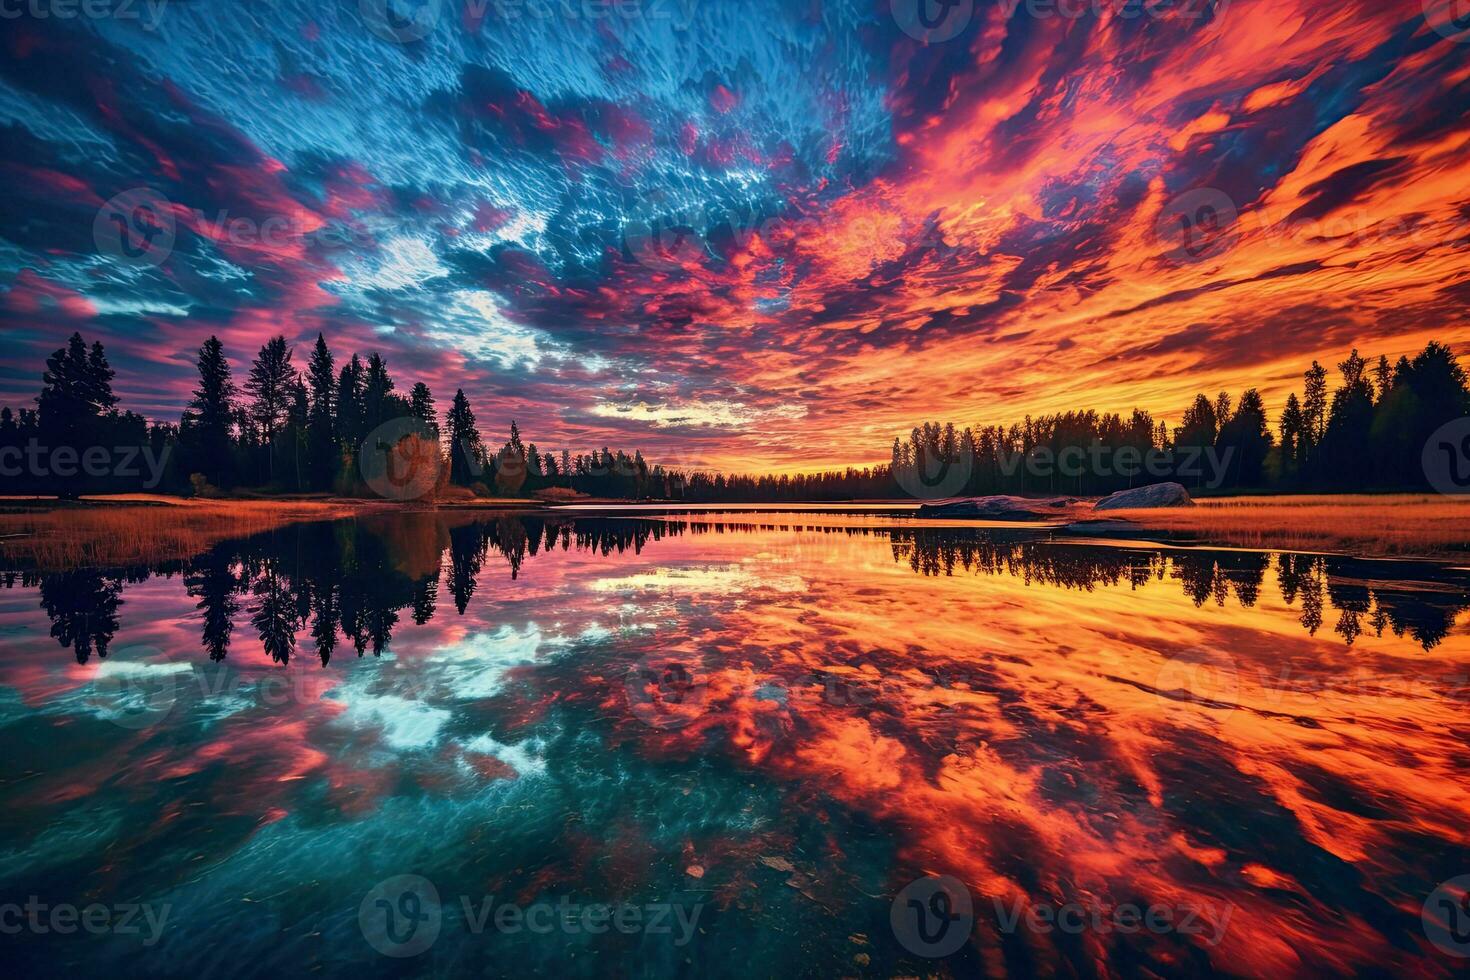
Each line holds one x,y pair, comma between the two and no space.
718,744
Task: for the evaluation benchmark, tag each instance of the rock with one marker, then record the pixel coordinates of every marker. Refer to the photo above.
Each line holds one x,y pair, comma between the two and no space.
1110,529
1147,498
999,508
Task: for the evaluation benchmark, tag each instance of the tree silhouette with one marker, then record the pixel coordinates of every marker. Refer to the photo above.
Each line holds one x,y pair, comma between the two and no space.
76,395
275,616
421,406
209,420
1314,414
321,434
213,582
82,606
270,385
466,452
1247,439
1293,434
350,385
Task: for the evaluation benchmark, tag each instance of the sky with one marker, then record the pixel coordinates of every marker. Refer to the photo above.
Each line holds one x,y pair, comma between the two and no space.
753,236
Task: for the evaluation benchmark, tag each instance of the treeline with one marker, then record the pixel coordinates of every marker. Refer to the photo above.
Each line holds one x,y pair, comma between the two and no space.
1369,433
286,430
281,430
344,585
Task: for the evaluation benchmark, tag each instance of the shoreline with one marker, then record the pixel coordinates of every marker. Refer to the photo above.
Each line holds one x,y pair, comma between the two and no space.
141,529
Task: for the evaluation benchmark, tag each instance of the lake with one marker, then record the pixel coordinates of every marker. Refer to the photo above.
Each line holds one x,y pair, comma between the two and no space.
706,744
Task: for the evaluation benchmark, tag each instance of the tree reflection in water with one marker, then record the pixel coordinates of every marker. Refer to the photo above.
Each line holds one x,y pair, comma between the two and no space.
352,579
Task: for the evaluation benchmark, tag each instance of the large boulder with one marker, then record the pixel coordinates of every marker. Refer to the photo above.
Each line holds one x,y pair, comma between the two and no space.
1147,498
999,508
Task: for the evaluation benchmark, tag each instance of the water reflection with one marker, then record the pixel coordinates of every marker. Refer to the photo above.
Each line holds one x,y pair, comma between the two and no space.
784,721
353,580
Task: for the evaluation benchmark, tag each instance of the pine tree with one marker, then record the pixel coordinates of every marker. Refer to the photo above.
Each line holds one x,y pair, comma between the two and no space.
297,433
1197,433
321,437
269,387
65,402
350,430
212,581
465,449
421,406
1383,377
209,419
99,380
274,617
1292,425
515,443
1248,438
1314,403
1349,424
377,387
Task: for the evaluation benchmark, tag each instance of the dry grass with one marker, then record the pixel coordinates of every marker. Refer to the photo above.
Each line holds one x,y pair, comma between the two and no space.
1399,525
144,529
147,529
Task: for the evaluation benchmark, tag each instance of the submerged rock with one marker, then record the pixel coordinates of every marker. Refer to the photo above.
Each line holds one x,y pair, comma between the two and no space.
999,508
1145,498
1126,530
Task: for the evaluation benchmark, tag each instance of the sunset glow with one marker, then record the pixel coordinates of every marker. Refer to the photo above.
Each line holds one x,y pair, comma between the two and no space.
748,236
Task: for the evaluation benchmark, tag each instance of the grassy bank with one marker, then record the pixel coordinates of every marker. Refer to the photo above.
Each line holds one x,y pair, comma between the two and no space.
147,529
143,529
1388,526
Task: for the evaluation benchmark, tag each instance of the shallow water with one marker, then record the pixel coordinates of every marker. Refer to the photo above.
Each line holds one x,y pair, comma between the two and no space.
708,744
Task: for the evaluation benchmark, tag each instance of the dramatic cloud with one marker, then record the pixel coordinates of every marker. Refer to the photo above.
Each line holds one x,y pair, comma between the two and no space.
740,234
